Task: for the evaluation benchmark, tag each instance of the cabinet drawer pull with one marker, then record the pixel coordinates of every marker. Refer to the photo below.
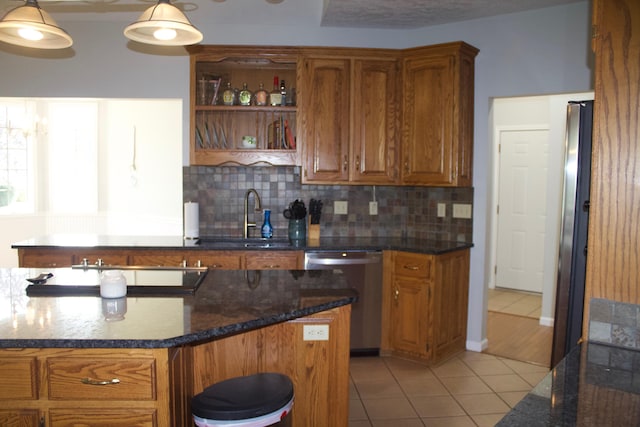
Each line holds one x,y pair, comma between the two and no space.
411,267
272,266
396,294
346,162
92,381
216,266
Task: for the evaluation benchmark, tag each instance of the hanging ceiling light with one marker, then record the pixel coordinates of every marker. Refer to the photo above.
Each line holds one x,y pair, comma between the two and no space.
163,24
31,26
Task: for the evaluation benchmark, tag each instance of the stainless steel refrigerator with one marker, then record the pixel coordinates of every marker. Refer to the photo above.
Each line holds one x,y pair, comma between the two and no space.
573,237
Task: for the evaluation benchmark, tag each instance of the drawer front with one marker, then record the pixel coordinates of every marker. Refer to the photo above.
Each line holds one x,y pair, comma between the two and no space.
101,378
413,265
217,262
160,259
19,417
279,261
18,376
102,417
45,259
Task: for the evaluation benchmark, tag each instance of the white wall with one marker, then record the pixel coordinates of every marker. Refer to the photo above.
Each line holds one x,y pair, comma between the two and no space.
537,52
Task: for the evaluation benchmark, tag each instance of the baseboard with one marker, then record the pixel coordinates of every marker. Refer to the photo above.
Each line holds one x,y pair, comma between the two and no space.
477,346
546,321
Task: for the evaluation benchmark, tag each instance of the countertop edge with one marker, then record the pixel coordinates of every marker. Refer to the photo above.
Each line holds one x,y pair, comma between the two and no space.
425,246
201,336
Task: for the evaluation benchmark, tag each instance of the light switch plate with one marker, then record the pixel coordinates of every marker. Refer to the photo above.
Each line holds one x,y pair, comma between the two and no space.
315,333
462,210
373,208
442,210
340,207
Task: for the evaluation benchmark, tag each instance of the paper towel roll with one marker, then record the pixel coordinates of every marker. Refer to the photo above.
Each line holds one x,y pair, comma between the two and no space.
191,221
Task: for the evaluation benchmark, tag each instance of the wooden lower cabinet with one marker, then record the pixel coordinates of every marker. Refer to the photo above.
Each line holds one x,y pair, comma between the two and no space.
66,257
97,387
72,387
319,370
425,303
217,259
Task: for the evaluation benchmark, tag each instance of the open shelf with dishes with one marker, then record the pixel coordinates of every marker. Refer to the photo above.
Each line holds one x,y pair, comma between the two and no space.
236,128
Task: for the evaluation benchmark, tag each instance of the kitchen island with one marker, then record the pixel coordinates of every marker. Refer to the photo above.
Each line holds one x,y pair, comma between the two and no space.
594,385
138,361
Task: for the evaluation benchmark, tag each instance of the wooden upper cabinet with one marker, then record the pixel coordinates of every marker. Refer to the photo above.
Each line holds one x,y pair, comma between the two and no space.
325,119
217,129
349,117
437,126
375,122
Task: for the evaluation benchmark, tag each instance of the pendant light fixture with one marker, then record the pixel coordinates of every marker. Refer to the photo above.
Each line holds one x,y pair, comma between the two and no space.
163,24
31,26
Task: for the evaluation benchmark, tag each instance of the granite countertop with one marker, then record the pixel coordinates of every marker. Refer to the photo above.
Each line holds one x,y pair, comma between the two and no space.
226,302
426,246
594,385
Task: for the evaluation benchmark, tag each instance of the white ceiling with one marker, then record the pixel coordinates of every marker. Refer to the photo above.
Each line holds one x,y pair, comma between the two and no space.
334,13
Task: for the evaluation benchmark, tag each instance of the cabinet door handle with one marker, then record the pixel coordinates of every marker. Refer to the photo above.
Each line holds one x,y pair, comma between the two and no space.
346,162
92,381
357,162
396,294
411,267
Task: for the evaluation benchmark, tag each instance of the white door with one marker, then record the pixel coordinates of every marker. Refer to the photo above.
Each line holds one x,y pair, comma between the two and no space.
522,209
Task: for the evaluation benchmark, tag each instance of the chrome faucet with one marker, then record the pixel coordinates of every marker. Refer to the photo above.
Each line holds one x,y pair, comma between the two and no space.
257,208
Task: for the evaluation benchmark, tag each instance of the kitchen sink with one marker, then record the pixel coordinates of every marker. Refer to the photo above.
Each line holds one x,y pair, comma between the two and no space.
234,243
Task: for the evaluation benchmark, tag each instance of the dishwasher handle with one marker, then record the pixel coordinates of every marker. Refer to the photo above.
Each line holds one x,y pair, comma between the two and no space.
341,258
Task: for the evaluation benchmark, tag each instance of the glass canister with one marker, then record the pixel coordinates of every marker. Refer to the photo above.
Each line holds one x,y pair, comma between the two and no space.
113,284
298,229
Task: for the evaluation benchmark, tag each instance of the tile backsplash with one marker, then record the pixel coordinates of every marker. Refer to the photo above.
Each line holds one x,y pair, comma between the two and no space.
614,323
402,211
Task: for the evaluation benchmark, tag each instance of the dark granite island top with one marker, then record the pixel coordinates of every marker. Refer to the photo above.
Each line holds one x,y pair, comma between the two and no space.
226,303
426,246
594,385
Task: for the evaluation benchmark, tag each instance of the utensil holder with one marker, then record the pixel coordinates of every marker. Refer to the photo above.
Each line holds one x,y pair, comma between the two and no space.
297,229
314,231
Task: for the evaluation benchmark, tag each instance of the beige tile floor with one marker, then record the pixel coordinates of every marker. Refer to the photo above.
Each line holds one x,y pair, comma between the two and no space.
470,389
509,301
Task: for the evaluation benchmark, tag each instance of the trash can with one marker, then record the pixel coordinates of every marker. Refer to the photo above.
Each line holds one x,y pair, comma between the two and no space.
258,400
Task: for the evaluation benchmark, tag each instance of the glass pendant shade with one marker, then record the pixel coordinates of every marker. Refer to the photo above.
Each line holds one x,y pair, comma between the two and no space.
163,24
31,26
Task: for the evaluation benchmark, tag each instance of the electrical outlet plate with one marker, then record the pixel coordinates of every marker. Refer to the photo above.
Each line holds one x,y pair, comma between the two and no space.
340,207
442,210
462,210
373,208
315,333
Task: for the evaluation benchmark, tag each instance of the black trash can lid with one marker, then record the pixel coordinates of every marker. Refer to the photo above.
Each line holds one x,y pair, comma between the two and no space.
243,397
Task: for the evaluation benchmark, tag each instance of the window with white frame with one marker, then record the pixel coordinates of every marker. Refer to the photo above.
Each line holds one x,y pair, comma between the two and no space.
17,136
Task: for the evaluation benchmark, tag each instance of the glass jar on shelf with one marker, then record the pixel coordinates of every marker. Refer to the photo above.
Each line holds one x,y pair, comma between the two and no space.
229,95
261,96
245,95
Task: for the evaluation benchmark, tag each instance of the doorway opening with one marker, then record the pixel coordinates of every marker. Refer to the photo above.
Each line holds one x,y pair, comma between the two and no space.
528,135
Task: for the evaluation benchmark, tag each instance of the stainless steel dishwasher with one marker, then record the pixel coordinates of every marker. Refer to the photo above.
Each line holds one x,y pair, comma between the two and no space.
363,271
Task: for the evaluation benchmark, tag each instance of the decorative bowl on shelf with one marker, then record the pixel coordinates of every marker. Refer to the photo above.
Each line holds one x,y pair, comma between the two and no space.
249,141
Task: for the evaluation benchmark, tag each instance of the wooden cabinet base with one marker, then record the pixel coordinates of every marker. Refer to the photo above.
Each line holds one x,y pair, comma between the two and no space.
319,370
425,302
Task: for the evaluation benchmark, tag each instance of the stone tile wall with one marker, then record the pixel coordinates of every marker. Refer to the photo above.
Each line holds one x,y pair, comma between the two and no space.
614,323
402,211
